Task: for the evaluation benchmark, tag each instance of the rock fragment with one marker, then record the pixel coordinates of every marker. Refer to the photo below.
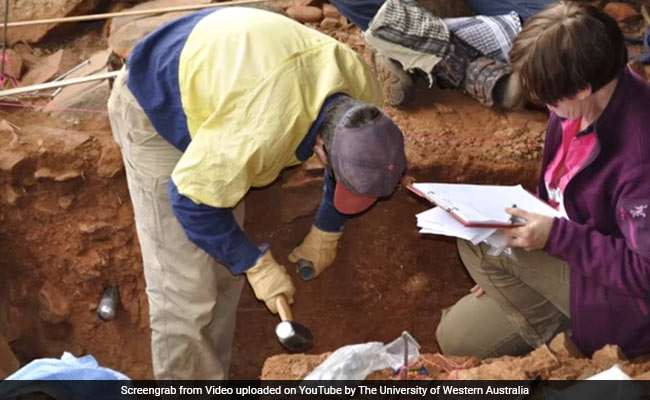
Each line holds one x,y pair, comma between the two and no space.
620,11
305,14
562,346
47,69
57,176
110,161
330,23
608,356
329,11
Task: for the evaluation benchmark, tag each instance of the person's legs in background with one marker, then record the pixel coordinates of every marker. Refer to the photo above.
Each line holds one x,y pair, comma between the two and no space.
525,8
359,12
192,298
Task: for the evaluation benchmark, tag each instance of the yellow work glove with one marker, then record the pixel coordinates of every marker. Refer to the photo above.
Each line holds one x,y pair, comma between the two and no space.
319,247
270,280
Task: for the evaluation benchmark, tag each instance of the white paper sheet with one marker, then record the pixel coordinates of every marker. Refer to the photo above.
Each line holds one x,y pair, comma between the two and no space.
483,203
438,222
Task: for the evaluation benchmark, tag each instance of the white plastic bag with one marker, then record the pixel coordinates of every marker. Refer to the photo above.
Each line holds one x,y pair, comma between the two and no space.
357,361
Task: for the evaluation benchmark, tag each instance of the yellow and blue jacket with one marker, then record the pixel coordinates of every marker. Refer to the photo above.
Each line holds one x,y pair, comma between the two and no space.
241,92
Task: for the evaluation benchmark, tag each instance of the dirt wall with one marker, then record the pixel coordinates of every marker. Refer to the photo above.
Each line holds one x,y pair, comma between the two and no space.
67,232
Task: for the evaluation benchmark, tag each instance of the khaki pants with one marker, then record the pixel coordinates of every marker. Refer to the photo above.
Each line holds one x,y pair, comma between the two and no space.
526,304
192,298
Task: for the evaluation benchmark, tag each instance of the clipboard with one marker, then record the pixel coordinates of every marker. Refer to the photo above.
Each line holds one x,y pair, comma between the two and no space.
458,214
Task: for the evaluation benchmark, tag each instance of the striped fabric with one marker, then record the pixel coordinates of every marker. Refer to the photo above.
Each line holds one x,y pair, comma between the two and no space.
492,36
406,23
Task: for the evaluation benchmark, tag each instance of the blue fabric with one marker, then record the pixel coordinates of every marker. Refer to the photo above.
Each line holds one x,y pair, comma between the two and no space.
153,77
215,231
361,12
61,375
525,8
327,218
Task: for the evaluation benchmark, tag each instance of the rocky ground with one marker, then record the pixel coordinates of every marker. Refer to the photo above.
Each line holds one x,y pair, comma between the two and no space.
67,225
560,360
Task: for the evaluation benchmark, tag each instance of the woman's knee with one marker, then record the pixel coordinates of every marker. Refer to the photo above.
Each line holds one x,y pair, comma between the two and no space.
478,327
447,337
456,333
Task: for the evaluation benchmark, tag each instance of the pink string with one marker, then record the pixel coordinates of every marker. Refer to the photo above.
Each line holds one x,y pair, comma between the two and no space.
399,374
12,79
453,367
40,106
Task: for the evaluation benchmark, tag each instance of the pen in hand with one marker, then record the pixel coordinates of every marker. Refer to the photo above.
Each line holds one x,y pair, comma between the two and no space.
513,220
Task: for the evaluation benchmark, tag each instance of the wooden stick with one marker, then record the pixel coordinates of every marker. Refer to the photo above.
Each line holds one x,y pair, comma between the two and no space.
61,83
283,308
94,17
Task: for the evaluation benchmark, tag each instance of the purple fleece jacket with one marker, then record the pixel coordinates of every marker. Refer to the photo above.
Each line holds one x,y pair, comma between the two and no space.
607,239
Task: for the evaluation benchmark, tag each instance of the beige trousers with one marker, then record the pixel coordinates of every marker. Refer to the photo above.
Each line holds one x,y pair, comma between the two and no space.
192,298
526,304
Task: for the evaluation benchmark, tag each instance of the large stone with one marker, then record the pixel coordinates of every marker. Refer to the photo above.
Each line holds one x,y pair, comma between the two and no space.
85,98
29,10
8,361
125,32
305,13
47,69
620,11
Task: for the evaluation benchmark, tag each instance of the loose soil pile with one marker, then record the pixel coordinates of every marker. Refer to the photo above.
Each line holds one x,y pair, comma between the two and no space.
559,360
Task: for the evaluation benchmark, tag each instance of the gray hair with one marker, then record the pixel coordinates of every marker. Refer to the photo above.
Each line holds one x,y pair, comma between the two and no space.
350,112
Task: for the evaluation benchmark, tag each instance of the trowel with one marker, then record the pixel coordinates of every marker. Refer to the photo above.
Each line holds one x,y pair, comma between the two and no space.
294,336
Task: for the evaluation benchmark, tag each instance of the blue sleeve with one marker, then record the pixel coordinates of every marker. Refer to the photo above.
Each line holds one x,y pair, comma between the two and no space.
215,231
525,8
328,219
